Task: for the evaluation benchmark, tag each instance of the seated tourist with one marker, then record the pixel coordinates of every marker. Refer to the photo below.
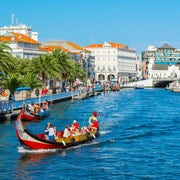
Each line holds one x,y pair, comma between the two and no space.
32,109
45,105
67,131
75,127
84,130
55,133
28,107
36,108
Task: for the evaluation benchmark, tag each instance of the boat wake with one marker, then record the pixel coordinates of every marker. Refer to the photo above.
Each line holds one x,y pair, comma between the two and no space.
23,150
104,132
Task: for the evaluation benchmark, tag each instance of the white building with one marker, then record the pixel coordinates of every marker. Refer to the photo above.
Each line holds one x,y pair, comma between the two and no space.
156,71
113,61
22,46
161,63
19,28
22,40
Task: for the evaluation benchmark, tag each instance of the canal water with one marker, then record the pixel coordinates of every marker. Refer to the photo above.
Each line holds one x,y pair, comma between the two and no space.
139,139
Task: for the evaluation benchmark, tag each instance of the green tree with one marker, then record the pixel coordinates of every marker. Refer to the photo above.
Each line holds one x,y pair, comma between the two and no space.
63,63
30,80
6,59
45,67
22,66
11,82
75,71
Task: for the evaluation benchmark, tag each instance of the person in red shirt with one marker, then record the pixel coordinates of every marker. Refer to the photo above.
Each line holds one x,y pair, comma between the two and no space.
75,127
94,125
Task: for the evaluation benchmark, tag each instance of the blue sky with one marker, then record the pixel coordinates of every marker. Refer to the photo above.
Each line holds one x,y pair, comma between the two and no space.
136,23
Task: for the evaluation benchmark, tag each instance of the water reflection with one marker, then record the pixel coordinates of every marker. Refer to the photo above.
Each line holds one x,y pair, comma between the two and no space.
30,159
27,159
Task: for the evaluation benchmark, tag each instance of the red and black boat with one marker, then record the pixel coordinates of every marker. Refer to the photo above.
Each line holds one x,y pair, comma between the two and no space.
40,141
28,116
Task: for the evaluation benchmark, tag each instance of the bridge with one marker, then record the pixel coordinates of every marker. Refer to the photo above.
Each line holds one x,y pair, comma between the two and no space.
150,83
161,83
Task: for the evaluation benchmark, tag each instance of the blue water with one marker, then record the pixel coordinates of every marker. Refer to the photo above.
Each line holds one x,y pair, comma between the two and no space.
139,139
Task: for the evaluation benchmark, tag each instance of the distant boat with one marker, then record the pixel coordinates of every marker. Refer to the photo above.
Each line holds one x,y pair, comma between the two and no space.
174,86
27,116
176,89
139,87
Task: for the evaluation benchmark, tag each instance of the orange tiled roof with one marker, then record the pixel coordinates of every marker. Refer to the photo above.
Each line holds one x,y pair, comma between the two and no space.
117,45
52,48
95,46
75,46
18,38
113,45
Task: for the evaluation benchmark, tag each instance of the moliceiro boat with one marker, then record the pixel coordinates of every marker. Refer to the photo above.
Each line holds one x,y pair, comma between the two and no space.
28,115
40,141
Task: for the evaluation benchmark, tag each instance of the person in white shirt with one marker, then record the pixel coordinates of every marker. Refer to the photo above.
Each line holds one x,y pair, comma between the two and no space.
67,131
49,130
51,134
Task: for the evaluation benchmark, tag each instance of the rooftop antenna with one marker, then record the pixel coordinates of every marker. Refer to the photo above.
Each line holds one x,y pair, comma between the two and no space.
12,19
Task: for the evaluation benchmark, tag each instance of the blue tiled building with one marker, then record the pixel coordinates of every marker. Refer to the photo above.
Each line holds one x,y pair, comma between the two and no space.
159,61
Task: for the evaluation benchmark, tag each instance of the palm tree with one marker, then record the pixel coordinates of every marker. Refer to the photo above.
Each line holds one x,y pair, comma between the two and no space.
11,82
30,80
22,66
63,60
45,67
75,71
6,59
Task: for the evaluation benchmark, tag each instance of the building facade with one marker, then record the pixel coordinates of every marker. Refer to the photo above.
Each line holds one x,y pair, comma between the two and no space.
161,63
22,46
22,40
113,61
20,29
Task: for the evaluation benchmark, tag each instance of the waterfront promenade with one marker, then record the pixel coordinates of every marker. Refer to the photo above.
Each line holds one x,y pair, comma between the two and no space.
12,107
